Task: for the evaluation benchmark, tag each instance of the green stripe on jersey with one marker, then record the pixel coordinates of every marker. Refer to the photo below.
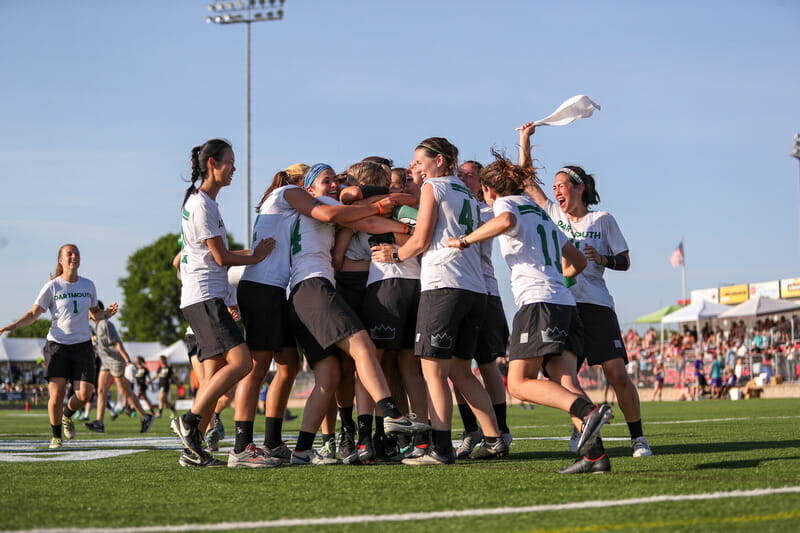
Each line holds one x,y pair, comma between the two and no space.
461,188
186,214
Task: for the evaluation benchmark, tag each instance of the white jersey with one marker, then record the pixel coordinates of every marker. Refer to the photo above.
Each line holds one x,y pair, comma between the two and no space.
486,255
276,219
458,214
201,277
532,250
599,230
358,249
311,245
408,269
69,305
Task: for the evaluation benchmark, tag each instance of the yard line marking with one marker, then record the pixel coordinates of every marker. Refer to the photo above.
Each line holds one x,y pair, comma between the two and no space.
361,519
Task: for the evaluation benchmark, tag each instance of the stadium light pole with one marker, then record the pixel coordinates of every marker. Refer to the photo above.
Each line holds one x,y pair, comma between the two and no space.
795,152
245,12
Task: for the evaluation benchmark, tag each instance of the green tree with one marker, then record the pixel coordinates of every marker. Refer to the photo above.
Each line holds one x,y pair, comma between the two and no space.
38,330
151,293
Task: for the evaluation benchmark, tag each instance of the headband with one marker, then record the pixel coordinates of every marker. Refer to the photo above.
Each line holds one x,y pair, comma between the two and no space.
432,149
571,173
313,172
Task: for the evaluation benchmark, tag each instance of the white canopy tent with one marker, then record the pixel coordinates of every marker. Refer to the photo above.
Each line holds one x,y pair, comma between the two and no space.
695,312
29,350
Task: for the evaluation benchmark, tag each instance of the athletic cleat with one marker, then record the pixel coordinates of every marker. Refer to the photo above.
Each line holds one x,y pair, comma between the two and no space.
189,435
591,426
55,442
573,440
432,457
347,443
328,449
641,448
252,456
403,425
95,426
310,457
188,458
147,421
468,443
216,423
68,427
490,451
281,451
384,448
415,452
114,415
588,466
212,438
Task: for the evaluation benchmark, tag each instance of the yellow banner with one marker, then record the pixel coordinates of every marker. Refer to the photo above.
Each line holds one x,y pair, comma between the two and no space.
790,288
733,294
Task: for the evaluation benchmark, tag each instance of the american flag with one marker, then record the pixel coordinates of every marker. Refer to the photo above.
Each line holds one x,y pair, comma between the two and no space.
677,256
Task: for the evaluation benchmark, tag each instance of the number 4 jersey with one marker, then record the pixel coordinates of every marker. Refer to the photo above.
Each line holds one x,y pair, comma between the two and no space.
532,250
458,214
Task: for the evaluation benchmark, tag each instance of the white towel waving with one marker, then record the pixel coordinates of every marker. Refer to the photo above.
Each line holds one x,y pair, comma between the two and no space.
580,106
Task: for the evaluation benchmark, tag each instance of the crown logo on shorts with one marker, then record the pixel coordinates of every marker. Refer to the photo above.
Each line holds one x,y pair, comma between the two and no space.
442,340
383,332
554,335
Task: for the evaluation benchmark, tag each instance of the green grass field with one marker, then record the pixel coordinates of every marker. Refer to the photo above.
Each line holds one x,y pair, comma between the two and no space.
704,452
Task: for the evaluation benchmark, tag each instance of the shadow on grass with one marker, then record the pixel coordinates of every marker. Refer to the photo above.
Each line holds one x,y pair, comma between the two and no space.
745,463
709,447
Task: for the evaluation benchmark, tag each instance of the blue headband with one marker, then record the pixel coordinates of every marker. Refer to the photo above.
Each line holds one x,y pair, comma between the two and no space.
313,172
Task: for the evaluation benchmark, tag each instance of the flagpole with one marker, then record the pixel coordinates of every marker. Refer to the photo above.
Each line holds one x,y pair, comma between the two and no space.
683,270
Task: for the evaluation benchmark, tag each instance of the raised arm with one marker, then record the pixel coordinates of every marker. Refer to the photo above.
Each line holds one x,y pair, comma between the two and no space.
525,160
305,204
25,320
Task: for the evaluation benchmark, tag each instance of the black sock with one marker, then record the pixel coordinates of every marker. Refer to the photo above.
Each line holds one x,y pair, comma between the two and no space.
346,416
580,408
500,414
596,451
328,436
403,441
423,439
387,407
244,435
379,432
442,440
305,441
192,419
56,430
364,427
272,432
636,429
468,418
68,412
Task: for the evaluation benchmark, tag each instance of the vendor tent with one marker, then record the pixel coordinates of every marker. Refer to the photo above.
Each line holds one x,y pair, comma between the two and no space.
695,312
656,316
760,306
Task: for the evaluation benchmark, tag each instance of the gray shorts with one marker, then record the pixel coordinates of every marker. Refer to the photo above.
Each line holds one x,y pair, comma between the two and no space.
115,367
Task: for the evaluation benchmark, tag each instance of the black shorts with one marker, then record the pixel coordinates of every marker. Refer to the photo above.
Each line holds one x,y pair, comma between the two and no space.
352,286
74,362
213,327
542,329
265,315
320,318
493,338
602,337
390,312
191,345
448,323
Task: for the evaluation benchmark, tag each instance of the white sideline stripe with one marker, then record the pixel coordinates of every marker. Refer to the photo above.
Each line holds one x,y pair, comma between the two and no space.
360,519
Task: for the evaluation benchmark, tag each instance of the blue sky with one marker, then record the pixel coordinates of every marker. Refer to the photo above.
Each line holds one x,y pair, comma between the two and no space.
103,100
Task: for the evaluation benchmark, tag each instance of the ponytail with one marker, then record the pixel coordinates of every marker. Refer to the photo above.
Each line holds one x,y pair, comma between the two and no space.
212,149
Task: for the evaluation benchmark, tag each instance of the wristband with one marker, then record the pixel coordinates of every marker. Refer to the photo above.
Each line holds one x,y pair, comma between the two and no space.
395,257
463,241
616,262
380,208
